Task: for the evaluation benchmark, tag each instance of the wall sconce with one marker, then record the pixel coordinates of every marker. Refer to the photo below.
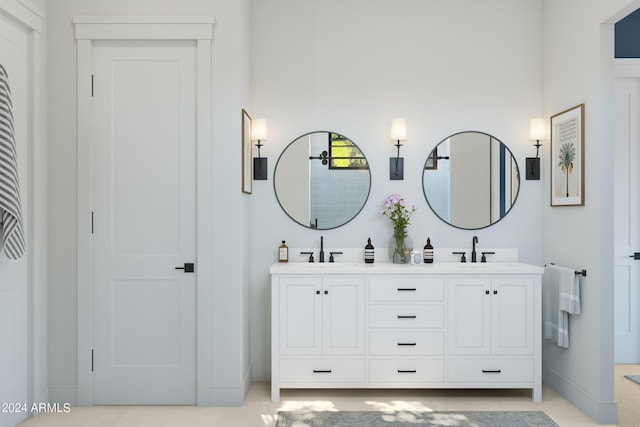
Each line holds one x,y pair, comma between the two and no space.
537,133
259,133
398,133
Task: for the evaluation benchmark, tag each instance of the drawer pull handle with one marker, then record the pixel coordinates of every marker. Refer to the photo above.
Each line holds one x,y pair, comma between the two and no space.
413,371
406,317
406,289
320,371
491,371
406,343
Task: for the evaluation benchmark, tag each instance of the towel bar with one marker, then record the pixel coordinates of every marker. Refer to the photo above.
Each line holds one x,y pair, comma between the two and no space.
582,272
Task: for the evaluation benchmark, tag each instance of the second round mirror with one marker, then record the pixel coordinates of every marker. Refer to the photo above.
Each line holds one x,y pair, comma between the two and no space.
471,180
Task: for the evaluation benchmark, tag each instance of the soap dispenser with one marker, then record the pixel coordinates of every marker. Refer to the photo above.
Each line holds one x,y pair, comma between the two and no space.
369,252
283,253
428,252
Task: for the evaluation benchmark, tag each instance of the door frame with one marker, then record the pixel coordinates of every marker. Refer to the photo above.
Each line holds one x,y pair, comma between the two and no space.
624,68
89,29
33,19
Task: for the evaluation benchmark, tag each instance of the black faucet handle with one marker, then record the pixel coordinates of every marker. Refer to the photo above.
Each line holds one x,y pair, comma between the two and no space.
463,258
308,253
484,256
331,254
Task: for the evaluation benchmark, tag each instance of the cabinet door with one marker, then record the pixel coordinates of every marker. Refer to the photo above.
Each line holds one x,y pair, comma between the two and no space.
469,303
300,315
343,308
512,306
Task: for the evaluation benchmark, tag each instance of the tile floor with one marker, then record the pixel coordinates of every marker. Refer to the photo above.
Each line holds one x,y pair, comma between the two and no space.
258,411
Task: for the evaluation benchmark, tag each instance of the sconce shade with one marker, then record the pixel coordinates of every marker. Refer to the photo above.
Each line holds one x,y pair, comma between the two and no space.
538,129
398,129
259,130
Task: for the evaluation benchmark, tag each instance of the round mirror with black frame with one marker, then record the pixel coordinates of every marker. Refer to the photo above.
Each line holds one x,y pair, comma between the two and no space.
322,180
471,180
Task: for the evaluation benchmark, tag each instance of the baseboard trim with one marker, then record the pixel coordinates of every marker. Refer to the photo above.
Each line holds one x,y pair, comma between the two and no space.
63,394
231,395
602,412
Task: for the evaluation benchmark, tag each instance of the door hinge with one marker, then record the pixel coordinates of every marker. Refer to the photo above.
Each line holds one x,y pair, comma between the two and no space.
92,85
91,360
91,222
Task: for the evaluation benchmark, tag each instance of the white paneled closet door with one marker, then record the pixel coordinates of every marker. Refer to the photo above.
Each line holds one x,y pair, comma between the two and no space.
144,222
14,274
627,220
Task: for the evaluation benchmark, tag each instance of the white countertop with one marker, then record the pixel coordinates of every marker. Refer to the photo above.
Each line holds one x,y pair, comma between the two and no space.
360,268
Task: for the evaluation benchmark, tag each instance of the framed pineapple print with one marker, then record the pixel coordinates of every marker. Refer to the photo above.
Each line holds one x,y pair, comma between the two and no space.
567,157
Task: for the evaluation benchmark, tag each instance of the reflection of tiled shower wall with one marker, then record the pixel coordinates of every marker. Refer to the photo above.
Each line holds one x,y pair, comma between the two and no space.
329,200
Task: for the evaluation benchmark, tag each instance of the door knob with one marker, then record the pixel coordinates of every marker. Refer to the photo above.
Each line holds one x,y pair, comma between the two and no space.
188,267
636,255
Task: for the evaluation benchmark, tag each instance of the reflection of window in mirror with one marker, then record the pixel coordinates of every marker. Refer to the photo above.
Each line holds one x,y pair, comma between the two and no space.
344,154
432,160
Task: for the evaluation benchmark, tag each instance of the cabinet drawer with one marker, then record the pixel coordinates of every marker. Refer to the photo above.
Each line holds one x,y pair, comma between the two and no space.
406,316
407,343
322,370
491,370
406,289
406,371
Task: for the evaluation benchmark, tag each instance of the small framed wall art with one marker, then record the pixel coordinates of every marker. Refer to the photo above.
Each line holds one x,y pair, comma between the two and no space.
567,157
246,152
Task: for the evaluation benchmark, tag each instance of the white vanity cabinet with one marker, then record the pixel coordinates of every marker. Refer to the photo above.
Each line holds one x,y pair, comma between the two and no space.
399,326
406,331
321,316
318,337
492,334
491,315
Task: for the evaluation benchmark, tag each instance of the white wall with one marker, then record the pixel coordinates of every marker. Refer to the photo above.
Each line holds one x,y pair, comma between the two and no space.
578,68
229,365
350,67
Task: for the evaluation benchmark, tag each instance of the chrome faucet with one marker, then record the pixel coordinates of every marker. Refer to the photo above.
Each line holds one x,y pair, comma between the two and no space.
473,251
321,249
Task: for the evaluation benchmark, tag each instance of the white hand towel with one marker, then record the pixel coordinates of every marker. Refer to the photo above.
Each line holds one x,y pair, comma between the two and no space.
561,298
11,231
569,291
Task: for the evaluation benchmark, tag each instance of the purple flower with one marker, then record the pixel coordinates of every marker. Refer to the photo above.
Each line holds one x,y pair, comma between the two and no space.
396,209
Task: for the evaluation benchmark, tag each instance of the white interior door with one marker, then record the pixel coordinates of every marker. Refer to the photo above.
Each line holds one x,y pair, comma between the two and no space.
14,274
143,190
627,219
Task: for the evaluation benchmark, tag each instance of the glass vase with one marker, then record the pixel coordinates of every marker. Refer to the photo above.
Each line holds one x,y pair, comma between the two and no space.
400,248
